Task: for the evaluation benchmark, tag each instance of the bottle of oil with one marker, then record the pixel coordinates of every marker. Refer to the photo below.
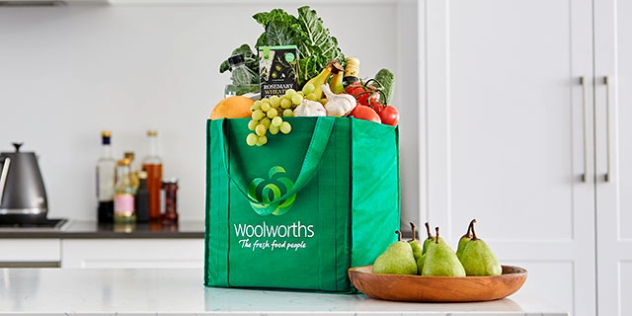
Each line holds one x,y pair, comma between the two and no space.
133,176
124,196
152,164
106,168
352,71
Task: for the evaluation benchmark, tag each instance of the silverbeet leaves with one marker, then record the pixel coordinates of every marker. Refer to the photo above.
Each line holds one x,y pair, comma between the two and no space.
316,46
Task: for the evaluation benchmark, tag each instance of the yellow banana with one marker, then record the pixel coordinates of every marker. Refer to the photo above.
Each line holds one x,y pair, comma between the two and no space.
323,78
336,81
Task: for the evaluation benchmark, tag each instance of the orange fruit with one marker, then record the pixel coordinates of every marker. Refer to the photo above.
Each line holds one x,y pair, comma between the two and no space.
232,107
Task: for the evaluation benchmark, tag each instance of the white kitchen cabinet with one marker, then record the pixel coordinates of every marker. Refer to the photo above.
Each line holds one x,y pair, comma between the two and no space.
132,253
509,136
613,60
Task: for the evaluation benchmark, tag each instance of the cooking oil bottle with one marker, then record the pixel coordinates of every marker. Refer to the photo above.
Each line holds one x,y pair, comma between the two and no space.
152,164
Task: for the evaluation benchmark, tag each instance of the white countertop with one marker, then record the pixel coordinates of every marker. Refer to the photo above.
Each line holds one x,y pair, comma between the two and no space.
181,292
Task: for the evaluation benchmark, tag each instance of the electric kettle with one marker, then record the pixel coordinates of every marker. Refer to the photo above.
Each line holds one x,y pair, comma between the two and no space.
22,193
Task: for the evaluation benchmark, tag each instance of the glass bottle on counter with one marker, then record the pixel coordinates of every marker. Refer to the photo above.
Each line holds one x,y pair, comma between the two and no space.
124,197
170,186
106,168
133,176
142,199
152,164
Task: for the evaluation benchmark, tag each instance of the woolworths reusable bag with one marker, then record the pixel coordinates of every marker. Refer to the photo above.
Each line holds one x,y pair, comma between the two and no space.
299,211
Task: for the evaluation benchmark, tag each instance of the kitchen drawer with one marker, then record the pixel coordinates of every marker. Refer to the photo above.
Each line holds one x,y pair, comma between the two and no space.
133,253
29,252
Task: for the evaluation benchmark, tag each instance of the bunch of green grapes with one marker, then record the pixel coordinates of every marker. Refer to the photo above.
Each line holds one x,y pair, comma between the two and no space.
267,116
309,91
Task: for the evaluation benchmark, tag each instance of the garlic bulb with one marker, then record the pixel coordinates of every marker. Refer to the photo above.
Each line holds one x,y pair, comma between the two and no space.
310,108
338,104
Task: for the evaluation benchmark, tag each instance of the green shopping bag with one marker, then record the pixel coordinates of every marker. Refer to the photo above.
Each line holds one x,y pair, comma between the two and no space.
299,211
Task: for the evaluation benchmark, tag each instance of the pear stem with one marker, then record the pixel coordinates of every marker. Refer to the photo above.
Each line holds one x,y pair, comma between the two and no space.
473,231
469,228
412,227
428,230
437,230
399,234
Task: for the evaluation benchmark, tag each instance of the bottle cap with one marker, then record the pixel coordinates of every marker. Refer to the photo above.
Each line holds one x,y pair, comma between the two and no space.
152,132
142,174
129,155
106,134
236,59
170,181
353,60
124,162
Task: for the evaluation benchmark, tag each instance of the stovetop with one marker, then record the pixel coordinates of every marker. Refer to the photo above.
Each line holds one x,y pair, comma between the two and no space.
50,224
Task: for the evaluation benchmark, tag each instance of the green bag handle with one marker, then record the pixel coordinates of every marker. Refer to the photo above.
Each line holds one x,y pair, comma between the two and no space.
311,162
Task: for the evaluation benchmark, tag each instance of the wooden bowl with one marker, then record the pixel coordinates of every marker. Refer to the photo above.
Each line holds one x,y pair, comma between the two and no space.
418,288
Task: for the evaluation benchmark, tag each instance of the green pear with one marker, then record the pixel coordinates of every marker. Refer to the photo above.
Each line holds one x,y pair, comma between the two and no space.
420,263
396,259
465,239
414,243
441,260
478,259
429,240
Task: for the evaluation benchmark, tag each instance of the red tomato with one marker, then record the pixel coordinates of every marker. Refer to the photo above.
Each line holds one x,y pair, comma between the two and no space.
389,115
365,113
377,107
363,94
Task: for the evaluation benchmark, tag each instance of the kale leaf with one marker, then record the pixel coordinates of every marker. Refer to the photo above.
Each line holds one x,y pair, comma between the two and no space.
317,47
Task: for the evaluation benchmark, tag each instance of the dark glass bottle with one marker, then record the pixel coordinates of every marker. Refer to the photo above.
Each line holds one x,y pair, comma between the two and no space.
170,187
106,167
142,199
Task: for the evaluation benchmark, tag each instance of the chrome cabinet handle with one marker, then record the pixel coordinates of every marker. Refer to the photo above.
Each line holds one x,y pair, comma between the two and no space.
582,81
608,176
3,176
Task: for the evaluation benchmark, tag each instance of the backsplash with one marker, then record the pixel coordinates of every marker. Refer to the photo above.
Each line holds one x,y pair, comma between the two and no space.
69,72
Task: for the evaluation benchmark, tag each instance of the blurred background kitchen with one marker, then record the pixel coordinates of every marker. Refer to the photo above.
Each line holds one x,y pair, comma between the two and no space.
509,114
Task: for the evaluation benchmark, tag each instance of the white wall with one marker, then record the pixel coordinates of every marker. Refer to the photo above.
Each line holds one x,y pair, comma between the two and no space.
66,73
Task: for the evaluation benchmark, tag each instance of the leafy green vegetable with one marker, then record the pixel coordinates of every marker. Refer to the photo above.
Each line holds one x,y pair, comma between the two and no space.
386,79
250,59
316,46
264,18
280,27
280,34
243,89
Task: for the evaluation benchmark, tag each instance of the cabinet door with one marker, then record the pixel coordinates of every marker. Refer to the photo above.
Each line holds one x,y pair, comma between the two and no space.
23,253
613,114
510,138
132,253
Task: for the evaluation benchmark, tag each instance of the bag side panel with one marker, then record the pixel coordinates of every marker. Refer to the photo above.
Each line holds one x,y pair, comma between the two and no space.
341,148
217,208
375,193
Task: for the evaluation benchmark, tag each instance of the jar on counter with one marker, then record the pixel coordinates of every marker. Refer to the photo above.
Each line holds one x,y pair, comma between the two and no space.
123,196
170,187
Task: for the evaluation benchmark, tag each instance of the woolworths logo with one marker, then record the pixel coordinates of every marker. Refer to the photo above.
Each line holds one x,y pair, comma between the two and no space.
265,190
